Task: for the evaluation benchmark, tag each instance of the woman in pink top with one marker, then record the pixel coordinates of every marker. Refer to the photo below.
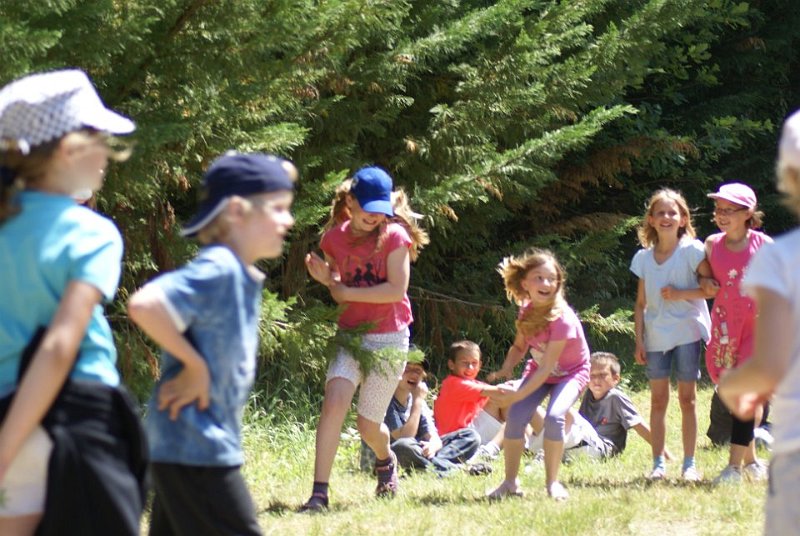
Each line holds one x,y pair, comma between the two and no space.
369,244
733,314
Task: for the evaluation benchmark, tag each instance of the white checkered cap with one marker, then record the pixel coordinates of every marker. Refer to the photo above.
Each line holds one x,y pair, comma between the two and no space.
789,149
42,107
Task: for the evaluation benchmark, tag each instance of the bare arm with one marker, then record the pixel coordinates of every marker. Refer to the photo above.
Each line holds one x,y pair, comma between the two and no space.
49,368
551,354
192,383
745,388
513,358
411,427
638,321
398,272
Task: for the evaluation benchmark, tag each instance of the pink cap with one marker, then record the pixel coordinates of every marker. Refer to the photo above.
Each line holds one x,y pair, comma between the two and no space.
789,148
736,192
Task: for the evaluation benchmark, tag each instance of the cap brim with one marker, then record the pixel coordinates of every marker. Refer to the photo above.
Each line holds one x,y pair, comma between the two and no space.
206,214
729,199
108,121
379,207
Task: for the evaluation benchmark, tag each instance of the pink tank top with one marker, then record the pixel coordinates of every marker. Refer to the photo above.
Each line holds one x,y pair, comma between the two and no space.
733,314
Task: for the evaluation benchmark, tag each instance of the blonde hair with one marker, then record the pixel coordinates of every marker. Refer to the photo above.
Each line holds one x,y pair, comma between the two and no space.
514,270
218,230
788,182
648,237
403,215
29,168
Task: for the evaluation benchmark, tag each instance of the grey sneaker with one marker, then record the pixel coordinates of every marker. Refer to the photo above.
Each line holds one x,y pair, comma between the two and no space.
730,475
756,471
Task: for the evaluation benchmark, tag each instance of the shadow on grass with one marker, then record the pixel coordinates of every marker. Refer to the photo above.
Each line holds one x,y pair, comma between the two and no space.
280,508
639,483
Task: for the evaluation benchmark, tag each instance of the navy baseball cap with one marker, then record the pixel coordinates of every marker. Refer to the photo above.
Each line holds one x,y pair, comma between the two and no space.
243,175
372,186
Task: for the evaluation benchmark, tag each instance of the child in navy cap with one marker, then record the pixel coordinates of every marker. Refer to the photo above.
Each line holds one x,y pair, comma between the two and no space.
205,317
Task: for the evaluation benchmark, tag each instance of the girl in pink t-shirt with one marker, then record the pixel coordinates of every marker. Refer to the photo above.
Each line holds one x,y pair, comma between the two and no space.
369,244
551,330
733,315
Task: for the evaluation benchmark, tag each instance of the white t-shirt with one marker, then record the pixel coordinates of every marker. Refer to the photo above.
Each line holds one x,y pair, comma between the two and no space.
776,267
668,324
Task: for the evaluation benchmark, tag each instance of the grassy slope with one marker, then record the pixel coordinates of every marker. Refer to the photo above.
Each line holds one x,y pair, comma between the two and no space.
606,498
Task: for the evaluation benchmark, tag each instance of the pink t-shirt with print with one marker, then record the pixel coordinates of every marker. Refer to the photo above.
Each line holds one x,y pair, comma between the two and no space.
360,265
574,359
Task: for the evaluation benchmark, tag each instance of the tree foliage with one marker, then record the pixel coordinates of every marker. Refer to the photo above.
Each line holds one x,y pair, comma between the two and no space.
511,123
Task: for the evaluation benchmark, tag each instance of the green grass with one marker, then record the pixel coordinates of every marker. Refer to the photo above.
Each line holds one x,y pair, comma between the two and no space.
610,497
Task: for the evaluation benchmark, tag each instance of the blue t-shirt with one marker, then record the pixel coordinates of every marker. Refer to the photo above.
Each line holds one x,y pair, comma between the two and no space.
671,323
215,301
397,416
50,243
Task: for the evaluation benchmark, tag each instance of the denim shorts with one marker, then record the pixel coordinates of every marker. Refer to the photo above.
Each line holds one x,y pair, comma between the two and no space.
686,358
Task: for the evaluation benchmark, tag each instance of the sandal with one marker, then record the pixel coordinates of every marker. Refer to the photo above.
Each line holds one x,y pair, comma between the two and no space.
314,505
387,478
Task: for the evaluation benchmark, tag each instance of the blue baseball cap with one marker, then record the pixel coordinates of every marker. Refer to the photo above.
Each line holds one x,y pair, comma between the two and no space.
372,186
243,175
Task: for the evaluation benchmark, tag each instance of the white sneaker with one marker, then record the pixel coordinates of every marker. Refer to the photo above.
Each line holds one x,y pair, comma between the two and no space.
730,475
658,473
763,438
691,474
756,471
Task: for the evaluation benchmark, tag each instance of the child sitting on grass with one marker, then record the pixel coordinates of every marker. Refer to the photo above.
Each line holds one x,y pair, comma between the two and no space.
465,402
415,440
600,428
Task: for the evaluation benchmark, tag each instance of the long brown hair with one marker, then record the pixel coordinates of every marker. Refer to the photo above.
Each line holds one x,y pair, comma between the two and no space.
648,237
403,215
514,269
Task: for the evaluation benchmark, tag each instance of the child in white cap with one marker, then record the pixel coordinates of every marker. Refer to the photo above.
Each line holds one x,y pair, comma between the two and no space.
60,389
773,280
733,314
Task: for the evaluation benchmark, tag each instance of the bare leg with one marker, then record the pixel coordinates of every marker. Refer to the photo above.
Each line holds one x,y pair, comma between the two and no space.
659,399
19,525
338,397
687,396
553,451
376,435
513,456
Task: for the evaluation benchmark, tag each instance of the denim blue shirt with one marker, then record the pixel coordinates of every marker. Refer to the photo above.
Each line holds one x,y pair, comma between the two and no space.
50,243
215,301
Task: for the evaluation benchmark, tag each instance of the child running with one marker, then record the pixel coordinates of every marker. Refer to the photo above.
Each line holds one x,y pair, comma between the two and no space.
560,366
61,263
671,320
733,315
369,243
772,279
205,317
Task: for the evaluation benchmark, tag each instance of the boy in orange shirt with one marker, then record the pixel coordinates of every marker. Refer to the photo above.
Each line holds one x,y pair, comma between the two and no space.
465,402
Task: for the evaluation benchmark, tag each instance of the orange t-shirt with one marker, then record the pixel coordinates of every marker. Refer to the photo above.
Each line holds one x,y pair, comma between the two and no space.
458,403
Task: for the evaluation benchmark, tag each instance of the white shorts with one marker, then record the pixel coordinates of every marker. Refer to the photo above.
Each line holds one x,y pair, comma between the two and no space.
378,387
25,484
486,426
